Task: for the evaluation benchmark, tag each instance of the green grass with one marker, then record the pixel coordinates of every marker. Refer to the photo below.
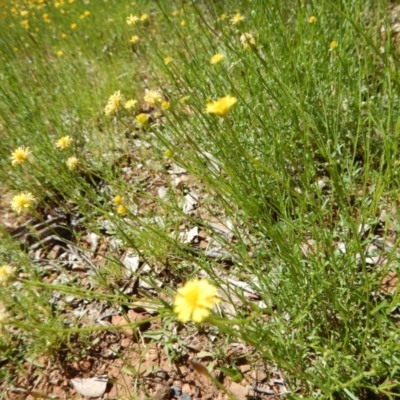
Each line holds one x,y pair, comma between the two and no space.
304,166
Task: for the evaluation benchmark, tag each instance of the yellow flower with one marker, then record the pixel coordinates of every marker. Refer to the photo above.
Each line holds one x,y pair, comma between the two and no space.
167,60
132,19
117,199
25,24
142,119
74,25
60,53
222,106
184,99
223,16
215,59
333,45
72,163
64,142
121,209
165,105
144,17
168,153
175,13
183,22
7,274
64,35
247,40
236,19
134,39
22,202
152,97
312,19
114,103
19,155
130,104
195,300
86,13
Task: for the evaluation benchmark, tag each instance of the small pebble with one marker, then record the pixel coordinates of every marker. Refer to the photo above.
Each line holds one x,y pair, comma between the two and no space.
177,391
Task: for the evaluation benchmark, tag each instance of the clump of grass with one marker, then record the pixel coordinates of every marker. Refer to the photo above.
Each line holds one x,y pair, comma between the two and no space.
284,115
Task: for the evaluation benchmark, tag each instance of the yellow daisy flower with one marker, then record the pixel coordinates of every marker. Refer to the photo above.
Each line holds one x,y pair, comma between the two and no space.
132,19
64,142
121,209
236,19
130,104
221,106
165,105
247,40
134,39
153,97
117,199
333,45
7,274
195,300
217,58
142,119
312,19
20,155
22,202
72,163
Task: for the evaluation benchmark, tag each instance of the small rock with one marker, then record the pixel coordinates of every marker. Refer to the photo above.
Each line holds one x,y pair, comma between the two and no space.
90,387
177,391
131,262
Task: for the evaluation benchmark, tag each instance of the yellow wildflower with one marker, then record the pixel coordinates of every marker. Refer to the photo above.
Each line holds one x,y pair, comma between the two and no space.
64,142
132,19
236,19
184,99
121,209
195,300
175,13
247,40
22,202
183,22
20,155
217,58
222,106
25,24
86,13
64,35
7,274
153,97
74,25
130,104
60,53
333,45
165,105
72,163
114,103
144,17
167,60
168,153
117,199
142,119
223,16
312,19
134,39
